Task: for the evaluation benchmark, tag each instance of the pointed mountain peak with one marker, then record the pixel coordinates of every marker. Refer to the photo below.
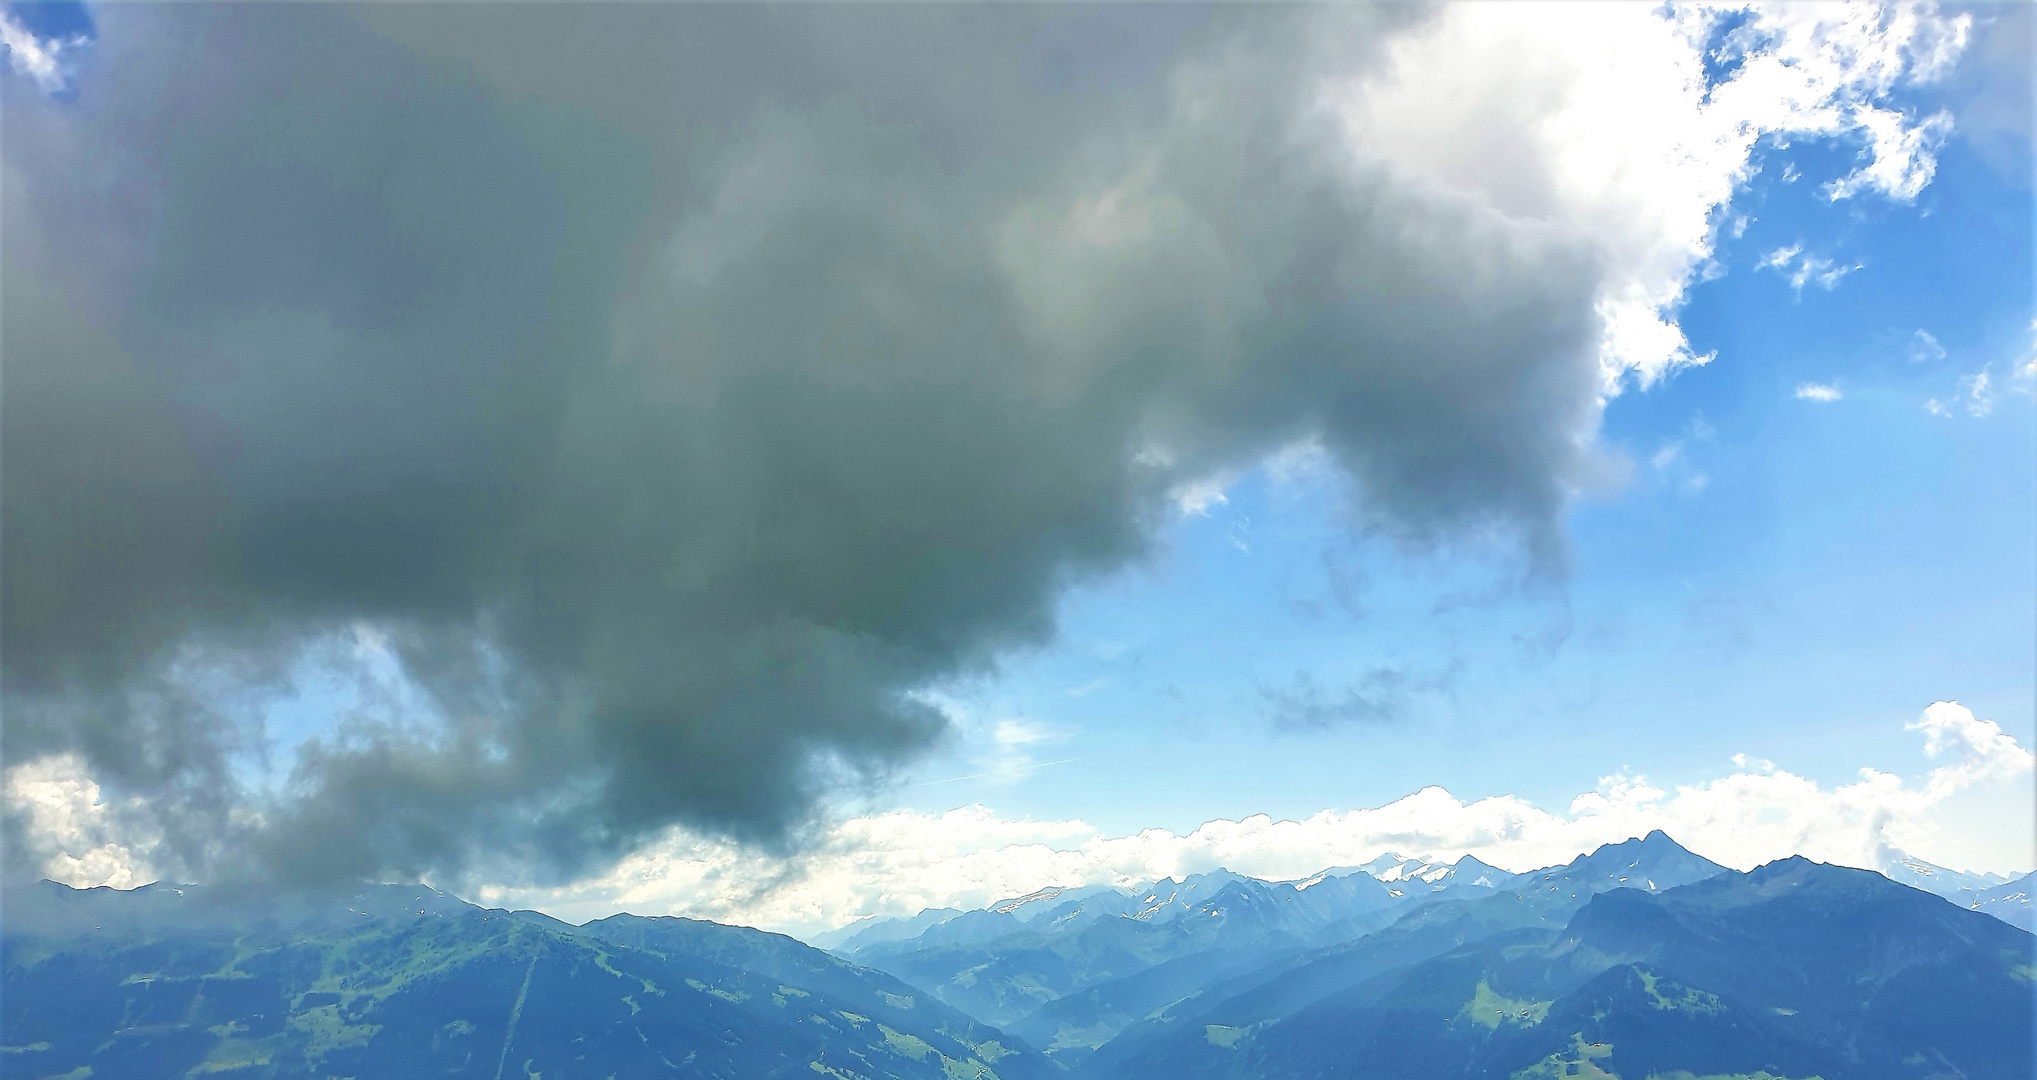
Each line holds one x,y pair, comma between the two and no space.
1215,876
1472,870
1656,844
1652,863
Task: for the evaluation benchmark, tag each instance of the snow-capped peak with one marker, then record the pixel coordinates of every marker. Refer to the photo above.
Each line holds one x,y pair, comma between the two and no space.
1006,907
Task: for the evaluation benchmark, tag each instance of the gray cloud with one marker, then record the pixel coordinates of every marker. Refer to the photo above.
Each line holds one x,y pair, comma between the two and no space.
1383,695
674,390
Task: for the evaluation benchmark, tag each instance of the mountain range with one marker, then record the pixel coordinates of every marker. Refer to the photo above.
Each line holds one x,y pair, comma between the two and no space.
1638,960
403,981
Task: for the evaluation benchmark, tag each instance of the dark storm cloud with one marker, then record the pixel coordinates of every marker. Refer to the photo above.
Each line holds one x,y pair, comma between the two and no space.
674,390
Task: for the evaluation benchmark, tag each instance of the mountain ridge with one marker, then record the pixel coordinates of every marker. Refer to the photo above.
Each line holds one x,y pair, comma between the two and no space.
404,980
1637,959
1742,974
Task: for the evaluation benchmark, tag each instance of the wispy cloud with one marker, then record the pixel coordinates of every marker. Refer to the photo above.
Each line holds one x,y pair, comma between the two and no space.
1924,348
1382,695
1824,392
1672,464
1905,155
1975,397
1090,687
1977,393
1013,745
1801,269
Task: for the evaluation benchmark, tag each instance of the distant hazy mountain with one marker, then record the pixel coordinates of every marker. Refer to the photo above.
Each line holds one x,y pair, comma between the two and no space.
1639,960
1918,874
1172,1037
1069,970
1159,902
870,931
2009,901
1651,864
1404,876
398,982
1793,970
1407,968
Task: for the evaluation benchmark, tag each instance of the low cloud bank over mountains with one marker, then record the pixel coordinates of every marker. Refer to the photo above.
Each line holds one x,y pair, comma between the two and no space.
901,862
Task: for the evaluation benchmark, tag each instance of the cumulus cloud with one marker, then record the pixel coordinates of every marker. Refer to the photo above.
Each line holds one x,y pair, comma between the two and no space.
1819,392
675,393
61,814
1627,138
1979,749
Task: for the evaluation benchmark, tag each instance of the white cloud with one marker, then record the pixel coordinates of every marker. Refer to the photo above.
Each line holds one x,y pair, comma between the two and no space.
1197,499
1825,70
42,60
1780,258
1980,750
83,838
1904,155
1824,392
1599,119
997,750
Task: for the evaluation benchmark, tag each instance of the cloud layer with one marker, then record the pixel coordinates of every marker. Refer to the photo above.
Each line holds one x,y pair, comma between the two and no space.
619,416
901,862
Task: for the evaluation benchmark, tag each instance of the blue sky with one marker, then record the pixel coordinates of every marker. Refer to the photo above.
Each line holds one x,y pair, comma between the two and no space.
48,41
787,469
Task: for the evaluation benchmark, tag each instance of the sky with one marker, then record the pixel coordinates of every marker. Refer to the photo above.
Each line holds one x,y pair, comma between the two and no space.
786,465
